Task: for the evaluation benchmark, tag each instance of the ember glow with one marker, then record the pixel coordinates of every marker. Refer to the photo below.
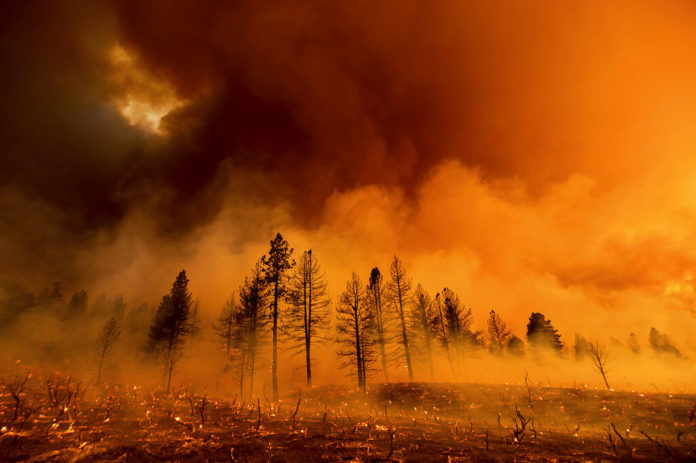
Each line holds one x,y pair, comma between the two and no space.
529,157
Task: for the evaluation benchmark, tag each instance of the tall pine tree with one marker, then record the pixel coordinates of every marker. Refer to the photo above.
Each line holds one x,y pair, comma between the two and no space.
171,324
309,299
275,267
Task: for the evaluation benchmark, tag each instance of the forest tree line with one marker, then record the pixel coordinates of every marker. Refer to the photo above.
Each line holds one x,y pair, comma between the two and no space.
376,325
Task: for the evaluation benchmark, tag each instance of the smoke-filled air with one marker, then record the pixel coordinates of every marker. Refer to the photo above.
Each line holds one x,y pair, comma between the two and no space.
347,231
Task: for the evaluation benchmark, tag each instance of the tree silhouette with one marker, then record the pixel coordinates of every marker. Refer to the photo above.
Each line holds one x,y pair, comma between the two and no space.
581,347
541,333
661,344
232,330
424,322
77,306
458,321
275,266
253,297
309,300
354,326
195,322
375,301
633,343
170,325
109,336
441,330
399,288
599,360
515,346
498,334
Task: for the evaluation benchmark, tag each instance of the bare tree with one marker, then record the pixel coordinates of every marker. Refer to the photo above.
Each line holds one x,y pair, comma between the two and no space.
109,336
599,359
375,300
424,321
275,266
309,300
399,288
498,334
354,325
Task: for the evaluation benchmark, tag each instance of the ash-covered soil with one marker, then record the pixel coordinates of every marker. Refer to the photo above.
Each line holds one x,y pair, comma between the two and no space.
56,419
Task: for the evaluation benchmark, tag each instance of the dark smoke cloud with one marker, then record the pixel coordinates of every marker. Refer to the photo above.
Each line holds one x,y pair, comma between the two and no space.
290,103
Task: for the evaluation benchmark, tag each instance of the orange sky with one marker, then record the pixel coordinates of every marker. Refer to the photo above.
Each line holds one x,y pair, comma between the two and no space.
532,156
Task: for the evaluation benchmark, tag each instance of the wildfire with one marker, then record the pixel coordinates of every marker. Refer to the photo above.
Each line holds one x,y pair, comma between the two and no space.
142,99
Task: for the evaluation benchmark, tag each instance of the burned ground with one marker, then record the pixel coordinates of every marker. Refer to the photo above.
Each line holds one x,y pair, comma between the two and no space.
55,418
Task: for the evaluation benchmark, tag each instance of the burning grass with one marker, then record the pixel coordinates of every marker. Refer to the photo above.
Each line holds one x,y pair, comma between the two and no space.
56,418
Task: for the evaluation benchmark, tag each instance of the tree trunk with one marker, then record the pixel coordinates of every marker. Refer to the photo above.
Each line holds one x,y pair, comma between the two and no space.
428,347
308,320
359,355
274,366
444,338
380,331
404,336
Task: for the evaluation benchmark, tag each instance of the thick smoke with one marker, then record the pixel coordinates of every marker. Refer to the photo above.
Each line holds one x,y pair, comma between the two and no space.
532,157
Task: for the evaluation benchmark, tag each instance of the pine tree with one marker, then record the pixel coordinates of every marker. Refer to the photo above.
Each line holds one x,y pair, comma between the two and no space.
458,321
354,326
515,346
251,323
441,330
424,321
170,325
275,267
309,300
109,336
541,333
399,289
375,302
498,334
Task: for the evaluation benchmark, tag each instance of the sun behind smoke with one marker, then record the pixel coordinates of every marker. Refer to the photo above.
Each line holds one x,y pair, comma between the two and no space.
141,98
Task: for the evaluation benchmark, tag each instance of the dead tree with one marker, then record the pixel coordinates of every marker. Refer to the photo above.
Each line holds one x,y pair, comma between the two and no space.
599,360
520,426
498,334
309,300
354,326
109,336
16,390
375,300
424,321
399,289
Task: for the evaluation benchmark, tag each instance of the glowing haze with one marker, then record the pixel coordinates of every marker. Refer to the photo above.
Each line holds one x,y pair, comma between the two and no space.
532,156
